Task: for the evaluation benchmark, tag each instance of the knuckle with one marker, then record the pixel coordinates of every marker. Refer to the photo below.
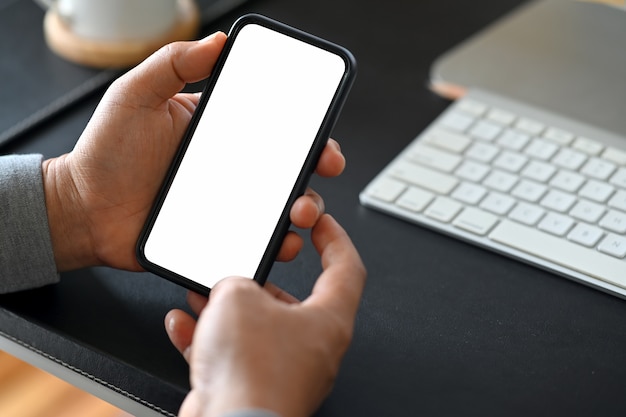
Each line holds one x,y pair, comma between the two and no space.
169,49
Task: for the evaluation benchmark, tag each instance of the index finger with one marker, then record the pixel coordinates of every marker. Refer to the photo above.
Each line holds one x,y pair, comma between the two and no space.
341,284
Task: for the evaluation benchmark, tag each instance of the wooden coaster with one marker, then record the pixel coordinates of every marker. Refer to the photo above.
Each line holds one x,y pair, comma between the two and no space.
120,54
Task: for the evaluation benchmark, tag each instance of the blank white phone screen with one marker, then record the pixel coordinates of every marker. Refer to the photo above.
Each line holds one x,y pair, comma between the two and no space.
244,157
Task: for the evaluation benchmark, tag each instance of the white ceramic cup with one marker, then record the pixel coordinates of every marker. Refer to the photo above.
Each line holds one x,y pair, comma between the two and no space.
117,20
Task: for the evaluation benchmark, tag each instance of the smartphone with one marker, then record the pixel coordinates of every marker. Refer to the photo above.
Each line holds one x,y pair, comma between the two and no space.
255,138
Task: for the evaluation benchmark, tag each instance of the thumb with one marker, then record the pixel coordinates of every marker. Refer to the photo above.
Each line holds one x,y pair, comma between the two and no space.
165,73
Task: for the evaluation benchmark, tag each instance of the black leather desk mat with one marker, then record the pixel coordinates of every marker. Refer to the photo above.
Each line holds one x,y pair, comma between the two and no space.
445,328
36,83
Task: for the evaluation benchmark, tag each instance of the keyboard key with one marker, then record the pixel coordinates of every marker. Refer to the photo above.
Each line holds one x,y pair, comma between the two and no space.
501,116
513,139
469,193
598,168
569,159
561,252
500,181
558,201
585,234
482,152
560,136
475,221
423,177
567,181
541,149
415,199
556,224
472,171
498,203
614,155
596,191
444,139
538,171
529,190
485,130
456,121
443,209
613,245
618,200
587,211
619,178
527,213
588,146
433,157
614,221
531,126
473,107
510,161
386,189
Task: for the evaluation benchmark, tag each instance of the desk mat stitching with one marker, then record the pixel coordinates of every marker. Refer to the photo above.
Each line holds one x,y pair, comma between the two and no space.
88,375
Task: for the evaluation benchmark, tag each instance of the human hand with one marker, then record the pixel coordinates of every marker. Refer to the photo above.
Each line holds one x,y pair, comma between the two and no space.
261,348
99,195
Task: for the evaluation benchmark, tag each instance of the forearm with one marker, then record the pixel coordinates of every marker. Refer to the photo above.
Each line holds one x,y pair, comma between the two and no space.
26,255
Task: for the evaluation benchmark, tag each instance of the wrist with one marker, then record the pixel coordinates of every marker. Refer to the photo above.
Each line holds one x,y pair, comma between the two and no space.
200,403
250,412
69,226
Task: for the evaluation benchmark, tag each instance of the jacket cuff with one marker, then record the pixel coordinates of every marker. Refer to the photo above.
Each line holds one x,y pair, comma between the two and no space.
26,256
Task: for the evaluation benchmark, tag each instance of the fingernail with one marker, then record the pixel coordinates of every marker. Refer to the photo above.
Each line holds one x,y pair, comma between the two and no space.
208,38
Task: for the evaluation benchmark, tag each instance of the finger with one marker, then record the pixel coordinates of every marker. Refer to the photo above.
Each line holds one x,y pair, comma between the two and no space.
166,72
307,209
331,162
180,328
234,289
280,294
341,283
196,301
188,100
291,246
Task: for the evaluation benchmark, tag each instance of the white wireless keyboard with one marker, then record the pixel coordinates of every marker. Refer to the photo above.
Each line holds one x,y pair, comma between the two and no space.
520,181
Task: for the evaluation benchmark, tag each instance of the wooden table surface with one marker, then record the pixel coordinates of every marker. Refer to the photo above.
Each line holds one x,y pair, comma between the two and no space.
26,391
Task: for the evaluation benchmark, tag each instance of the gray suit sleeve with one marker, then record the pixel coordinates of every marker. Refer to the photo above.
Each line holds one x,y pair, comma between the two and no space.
26,257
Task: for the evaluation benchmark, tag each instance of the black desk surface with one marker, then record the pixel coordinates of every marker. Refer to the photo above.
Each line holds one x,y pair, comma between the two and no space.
445,328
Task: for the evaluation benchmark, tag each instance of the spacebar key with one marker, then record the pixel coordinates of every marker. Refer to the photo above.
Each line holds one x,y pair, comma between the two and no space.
561,252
